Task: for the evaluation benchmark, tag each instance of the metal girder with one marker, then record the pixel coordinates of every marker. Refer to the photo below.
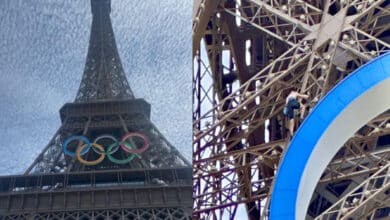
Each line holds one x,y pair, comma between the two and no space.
237,112
91,199
220,168
244,90
356,161
203,10
324,41
369,195
148,182
289,23
350,165
104,77
248,114
163,213
359,156
36,195
85,118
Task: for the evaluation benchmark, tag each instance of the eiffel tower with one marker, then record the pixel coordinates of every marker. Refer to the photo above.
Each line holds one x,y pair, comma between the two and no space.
247,55
107,160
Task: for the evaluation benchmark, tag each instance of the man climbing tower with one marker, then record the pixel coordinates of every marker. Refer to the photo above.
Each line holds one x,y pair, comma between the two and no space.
292,103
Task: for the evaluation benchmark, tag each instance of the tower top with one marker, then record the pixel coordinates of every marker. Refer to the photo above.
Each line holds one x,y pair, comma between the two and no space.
103,78
97,5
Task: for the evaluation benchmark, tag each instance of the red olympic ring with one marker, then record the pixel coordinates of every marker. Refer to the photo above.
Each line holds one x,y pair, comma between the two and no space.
126,148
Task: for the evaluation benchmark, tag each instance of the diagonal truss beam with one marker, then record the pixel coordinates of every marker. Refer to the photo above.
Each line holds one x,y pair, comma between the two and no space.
363,199
355,161
319,61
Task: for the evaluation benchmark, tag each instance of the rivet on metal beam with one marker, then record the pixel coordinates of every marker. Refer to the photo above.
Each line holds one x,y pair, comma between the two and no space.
213,168
344,210
367,193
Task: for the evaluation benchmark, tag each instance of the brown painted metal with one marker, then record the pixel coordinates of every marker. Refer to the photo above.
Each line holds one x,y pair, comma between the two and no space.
156,184
104,77
306,45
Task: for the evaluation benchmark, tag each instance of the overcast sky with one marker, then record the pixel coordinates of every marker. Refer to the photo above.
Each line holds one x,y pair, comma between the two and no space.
43,47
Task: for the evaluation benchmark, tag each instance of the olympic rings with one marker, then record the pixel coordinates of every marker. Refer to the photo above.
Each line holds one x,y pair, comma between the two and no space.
106,136
126,143
125,146
94,162
71,138
123,161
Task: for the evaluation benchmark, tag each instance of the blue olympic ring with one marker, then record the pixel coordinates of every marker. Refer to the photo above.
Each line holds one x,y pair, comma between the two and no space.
71,138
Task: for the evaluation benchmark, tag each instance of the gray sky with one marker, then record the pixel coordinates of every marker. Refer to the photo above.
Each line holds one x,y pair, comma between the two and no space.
43,47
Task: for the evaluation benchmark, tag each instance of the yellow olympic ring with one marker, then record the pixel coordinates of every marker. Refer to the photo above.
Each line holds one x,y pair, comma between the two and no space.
94,162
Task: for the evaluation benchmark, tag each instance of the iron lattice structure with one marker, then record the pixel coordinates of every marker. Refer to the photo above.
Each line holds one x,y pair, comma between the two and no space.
152,182
246,55
103,57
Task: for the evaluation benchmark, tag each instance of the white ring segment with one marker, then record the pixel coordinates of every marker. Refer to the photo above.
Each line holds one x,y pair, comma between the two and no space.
353,102
354,116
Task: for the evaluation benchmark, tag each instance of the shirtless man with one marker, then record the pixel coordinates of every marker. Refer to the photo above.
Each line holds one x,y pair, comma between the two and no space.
291,104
